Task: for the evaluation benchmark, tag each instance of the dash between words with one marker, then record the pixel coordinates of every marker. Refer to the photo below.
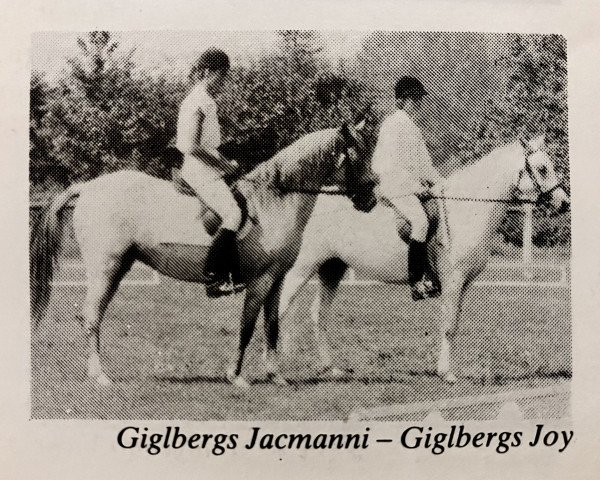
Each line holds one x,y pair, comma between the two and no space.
411,438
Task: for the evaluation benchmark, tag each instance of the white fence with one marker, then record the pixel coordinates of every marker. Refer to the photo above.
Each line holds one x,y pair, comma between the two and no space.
526,266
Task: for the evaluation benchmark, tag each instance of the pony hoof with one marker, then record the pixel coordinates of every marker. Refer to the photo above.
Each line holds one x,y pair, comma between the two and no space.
240,383
237,380
277,379
449,377
103,380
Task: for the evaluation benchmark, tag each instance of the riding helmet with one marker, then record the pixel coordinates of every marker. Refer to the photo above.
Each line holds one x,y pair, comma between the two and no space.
407,87
213,59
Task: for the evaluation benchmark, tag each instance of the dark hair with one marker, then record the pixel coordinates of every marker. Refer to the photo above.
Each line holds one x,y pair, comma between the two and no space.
212,59
409,87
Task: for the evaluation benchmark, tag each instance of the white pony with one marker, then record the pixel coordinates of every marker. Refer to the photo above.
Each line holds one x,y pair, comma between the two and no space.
338,236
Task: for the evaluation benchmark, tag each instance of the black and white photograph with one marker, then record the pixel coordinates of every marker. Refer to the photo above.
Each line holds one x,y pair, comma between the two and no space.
304,225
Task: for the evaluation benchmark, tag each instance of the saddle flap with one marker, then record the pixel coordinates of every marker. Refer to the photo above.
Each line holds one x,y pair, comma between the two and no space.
431,208
211,220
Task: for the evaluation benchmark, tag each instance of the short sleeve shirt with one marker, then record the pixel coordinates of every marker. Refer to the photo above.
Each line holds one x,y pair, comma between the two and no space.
191,131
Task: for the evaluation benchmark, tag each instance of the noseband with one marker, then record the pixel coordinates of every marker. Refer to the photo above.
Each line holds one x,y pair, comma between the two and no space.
543,195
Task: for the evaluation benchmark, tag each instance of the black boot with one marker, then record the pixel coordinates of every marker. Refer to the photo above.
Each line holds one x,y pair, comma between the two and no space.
218,265
417,263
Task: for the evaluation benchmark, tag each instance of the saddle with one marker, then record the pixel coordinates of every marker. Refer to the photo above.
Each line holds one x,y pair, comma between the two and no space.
210,219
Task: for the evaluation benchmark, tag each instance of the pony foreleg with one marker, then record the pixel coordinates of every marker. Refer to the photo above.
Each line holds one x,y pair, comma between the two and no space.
256,292
452,298
291,286
271,309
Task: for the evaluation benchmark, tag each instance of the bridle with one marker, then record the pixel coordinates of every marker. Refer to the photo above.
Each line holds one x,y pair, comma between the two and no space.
543,195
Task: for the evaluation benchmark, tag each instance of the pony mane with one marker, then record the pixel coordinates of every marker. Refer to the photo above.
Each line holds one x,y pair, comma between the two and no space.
488,169
303,164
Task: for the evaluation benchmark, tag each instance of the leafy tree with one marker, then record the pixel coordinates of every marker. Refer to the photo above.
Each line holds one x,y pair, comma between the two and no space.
94,121
277,92
535,99
39,91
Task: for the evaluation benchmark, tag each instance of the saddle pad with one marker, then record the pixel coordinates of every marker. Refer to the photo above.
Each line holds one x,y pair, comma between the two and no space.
185,226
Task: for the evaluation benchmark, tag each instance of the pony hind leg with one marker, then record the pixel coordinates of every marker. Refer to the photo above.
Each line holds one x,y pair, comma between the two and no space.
103,281
330,276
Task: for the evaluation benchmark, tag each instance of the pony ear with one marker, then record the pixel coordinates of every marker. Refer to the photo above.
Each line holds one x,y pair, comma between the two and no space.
361,118
526,146
537,143
346,133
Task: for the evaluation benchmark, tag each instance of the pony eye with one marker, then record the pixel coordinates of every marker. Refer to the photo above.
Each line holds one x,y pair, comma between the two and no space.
543,170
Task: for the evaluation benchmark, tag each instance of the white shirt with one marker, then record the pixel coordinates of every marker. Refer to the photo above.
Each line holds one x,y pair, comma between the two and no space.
191,133
401,155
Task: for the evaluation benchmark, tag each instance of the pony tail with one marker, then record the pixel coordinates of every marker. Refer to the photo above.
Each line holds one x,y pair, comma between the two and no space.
43,249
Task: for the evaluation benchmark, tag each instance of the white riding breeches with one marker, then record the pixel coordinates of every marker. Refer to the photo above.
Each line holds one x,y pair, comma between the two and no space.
412,209
209,185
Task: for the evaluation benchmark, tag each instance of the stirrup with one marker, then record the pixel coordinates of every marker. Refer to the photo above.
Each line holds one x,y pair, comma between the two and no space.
419,291
219,288
433,287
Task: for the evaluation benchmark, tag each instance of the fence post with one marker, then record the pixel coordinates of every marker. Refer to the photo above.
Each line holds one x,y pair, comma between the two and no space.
528,241
351,276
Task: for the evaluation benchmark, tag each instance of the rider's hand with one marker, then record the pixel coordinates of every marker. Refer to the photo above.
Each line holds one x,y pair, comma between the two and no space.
419,188
230,167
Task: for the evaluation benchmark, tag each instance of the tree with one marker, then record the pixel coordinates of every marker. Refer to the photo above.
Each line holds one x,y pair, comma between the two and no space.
107,116
277,92
456,69
535,101
39,148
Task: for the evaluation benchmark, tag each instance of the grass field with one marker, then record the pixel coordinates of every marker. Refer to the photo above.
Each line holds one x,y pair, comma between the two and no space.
166,348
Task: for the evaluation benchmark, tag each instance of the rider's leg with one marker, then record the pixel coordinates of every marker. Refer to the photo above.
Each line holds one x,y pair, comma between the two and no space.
214,192
411,208
222,257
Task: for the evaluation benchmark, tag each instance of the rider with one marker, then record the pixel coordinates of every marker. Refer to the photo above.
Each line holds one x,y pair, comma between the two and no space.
406,174
198,137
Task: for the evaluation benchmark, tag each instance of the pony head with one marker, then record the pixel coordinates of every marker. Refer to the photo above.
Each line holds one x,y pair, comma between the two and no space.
538,179
358,177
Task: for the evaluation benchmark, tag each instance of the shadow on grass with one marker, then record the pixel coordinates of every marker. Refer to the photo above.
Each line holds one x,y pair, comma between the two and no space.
497,379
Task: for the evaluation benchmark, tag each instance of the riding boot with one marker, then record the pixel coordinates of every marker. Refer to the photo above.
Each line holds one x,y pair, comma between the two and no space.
417,263
218,265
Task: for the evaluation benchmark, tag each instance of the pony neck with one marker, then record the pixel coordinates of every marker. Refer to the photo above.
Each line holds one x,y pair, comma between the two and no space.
492,177
305,164
274,188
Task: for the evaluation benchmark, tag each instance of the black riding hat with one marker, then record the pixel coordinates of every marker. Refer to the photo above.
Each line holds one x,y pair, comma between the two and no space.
213,59
409,87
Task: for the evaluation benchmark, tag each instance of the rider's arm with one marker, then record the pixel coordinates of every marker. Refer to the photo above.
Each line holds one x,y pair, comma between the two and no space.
428,172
